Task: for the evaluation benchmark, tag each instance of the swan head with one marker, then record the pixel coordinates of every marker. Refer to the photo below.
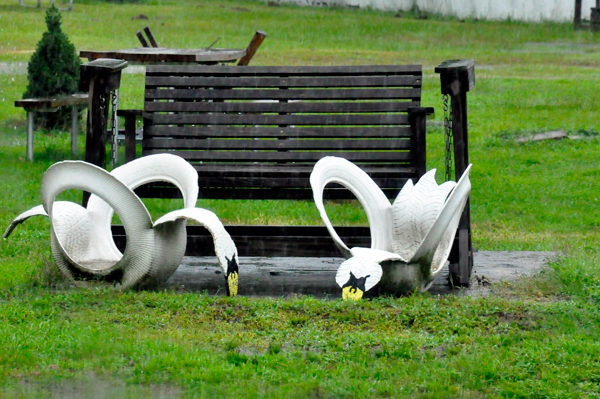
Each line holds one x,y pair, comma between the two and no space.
232,276
354,288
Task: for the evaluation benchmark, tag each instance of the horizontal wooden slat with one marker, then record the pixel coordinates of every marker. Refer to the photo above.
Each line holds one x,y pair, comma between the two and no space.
293,132
200,70
277,82
261,119
287,156
293,107
247,145
301,94
284,182
287,182
305,240
255,193
295,171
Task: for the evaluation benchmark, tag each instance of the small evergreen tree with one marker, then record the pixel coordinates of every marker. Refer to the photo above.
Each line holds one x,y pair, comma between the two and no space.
53,70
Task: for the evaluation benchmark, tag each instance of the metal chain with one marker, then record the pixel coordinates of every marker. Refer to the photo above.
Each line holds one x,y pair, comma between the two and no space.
115,127
448,137
102,108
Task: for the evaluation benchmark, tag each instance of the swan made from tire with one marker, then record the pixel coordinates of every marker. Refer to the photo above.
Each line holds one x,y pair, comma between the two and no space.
81,239
410,239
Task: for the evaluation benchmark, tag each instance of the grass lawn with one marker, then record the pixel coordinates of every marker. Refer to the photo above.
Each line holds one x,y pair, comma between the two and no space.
533,338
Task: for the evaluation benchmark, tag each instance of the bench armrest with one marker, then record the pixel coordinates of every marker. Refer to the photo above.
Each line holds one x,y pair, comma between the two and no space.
429,112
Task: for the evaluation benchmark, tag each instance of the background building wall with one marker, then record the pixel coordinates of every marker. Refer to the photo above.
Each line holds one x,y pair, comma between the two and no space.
519,10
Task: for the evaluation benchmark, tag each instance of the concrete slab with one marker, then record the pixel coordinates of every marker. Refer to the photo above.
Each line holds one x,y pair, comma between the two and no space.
278,277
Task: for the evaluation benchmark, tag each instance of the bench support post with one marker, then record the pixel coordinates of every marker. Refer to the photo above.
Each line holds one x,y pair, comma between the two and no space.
74,128
130,116
457,77
30,115
99,78
418,119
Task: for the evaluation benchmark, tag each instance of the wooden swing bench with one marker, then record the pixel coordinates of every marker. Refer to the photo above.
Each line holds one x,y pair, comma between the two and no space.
255,132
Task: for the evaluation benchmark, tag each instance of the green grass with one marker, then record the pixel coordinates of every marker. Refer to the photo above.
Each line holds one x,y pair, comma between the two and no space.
536,337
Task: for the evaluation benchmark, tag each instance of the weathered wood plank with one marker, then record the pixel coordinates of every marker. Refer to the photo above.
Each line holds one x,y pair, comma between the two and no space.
150,36
251,156
260,119
250,144
304,241
253,46
301,70
287,82
241,182
289,107
153,191
272,132
298,171
300,94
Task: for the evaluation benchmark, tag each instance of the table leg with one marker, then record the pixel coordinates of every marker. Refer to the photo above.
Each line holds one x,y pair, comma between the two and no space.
74,128
30,115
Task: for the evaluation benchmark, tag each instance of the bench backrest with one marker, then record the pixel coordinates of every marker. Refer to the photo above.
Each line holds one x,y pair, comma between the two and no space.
257,131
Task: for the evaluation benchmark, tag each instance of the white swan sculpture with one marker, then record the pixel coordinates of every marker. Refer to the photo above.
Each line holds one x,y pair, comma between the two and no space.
413,236
81,238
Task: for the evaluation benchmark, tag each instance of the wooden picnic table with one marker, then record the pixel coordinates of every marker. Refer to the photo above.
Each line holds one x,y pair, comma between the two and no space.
33,105
145,55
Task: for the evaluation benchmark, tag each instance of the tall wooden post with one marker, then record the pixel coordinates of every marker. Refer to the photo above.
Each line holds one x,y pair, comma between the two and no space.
457,77
99,78
577,16
595,17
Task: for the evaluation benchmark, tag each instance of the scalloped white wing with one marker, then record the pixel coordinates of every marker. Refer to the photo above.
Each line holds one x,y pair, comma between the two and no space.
153,168
377,206
136,220
436,245
364,262
224,245
35,211
415,210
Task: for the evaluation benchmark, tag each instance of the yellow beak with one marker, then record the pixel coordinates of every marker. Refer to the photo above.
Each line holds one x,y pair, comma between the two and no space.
232,283
351,293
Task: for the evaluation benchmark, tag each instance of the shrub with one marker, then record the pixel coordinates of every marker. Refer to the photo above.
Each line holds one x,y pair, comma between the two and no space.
53,70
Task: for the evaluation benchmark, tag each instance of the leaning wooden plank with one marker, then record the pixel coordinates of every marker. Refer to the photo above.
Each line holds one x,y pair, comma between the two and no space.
255,43
150,36
141,38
